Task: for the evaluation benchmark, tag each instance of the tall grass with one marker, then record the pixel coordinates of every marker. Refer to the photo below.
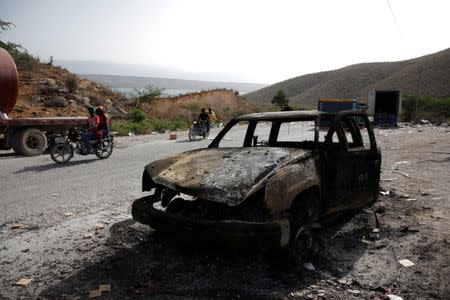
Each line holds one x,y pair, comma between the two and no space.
146,126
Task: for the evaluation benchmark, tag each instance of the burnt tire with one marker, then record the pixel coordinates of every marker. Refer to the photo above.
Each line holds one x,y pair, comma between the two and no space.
31,142
304,211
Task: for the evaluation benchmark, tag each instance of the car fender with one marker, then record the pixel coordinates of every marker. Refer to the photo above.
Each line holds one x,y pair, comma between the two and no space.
288,182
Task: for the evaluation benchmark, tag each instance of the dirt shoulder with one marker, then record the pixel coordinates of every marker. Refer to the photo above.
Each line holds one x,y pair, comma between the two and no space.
353,262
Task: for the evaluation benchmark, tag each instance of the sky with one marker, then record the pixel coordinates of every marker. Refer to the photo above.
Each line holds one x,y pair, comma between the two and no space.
228,40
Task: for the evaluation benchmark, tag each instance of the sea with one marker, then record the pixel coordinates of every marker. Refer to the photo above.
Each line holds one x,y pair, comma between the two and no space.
132,92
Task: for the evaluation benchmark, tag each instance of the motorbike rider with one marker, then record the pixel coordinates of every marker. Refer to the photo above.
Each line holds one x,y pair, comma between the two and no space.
103,122
91,134
203,118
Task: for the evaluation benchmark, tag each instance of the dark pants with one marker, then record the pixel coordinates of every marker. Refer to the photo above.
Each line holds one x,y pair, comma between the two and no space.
88,136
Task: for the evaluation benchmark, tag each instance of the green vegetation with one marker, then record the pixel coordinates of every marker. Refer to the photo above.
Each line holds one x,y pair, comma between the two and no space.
71,82
148,95
140,123
280,100
23,60
433,109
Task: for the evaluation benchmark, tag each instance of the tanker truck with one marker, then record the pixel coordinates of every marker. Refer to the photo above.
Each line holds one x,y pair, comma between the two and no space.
26,136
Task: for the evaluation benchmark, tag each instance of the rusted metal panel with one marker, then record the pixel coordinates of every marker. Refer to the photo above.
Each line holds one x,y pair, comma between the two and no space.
288,183
9,82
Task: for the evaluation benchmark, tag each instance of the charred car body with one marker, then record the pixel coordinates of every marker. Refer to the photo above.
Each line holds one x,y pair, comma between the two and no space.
265,188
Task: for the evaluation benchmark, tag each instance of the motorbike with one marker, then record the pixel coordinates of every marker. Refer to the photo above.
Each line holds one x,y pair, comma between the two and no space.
198,129
64,148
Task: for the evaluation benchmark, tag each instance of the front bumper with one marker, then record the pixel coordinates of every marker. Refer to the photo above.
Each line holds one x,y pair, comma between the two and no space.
273,233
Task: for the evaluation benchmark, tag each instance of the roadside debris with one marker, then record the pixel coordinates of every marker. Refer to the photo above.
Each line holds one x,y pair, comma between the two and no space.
394,297
309,266
387,193
17,226
24,281
406,229
88,236
406,263
401,173
101,288
68,214
55,195
99,226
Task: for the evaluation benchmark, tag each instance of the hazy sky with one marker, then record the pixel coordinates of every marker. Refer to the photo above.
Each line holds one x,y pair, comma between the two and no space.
257,41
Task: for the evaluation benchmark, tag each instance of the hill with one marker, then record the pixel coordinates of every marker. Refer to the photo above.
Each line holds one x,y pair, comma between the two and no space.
44,92
427,75
116,81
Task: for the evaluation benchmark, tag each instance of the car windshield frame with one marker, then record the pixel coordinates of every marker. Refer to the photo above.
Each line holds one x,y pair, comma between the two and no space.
274,130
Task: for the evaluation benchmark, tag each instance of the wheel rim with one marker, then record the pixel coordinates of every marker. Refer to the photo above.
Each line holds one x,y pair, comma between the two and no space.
62,153
32,142
105,150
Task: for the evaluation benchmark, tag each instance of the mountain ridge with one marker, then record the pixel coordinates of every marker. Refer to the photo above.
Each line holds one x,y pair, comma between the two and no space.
426,75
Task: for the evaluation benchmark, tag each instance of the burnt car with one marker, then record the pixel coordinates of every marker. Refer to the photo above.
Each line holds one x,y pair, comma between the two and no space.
266,177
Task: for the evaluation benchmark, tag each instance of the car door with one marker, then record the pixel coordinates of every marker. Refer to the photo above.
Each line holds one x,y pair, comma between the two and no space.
351,171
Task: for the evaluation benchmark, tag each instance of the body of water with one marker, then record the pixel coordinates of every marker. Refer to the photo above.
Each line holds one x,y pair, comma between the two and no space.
131,92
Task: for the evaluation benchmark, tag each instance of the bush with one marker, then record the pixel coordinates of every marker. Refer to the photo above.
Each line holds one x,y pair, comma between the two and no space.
138,115
71,82
433,109
148,125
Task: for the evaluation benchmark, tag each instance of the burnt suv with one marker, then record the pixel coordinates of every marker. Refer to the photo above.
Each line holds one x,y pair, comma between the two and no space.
265,177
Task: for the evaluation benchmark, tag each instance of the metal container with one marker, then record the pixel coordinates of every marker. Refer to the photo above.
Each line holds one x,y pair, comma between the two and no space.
9,82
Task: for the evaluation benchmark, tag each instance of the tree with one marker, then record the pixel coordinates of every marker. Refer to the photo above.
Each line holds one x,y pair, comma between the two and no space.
148,94
280,99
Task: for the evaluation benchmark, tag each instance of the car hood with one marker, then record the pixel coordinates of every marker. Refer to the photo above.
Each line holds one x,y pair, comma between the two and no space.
227,175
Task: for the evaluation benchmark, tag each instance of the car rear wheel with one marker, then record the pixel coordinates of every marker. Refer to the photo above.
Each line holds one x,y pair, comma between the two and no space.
304,212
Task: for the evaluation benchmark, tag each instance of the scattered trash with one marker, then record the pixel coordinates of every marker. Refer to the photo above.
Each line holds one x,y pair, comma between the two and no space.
95,294
25,250
101,288
131,133
365,241
444,124
104,288
172,136
17,226
68,214
394,297
406,263
55,195
407,229
401,173
376,230
411,199
355,292
309,266
99,226
24,281
387,193
88,236
387,179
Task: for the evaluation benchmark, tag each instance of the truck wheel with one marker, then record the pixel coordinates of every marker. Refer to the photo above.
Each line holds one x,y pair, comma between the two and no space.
32,142
15,142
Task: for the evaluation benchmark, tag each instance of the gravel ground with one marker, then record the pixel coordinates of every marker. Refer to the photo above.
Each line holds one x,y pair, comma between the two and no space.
75,232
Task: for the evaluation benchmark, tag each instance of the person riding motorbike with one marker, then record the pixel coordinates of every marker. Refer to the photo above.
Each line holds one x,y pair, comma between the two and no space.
91,134
103,123
203,118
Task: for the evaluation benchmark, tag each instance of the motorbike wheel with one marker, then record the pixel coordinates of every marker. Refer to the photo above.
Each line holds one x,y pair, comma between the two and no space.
205,134
105,150
61,153
192,133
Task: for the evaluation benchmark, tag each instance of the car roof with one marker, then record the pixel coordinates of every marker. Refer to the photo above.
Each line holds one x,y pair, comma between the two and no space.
280,115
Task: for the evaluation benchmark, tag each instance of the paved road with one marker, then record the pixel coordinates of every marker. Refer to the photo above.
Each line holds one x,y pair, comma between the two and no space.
37,192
